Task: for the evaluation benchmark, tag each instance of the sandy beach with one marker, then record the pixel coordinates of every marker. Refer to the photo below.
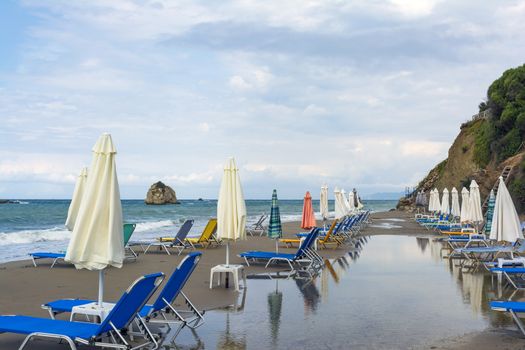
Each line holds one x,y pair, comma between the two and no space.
25,288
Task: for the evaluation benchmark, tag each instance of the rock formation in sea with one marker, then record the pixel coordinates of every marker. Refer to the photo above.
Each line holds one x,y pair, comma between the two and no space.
159,193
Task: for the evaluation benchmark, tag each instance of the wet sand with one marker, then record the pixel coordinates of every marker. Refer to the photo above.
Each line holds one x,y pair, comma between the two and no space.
25,288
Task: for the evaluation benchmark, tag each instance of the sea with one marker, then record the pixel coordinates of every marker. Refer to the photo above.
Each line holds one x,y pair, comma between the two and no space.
38,225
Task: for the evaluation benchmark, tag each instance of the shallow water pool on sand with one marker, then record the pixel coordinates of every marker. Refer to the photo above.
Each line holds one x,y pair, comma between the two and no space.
399,293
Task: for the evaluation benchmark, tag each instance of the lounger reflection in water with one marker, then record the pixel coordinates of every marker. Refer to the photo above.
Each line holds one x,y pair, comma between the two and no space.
304,254
163,305
108,334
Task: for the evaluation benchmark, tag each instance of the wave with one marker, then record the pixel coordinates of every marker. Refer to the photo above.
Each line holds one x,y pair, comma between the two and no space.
151,225
33,236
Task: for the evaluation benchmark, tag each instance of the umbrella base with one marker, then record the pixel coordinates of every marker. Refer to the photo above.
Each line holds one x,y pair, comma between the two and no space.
237,271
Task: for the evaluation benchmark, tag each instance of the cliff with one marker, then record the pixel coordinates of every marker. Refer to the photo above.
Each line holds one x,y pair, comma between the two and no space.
493,140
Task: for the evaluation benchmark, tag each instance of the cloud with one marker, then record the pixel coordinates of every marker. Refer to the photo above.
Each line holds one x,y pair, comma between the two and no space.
301,92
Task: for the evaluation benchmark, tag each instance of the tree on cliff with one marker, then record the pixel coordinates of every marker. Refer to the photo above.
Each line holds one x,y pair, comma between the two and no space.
504,133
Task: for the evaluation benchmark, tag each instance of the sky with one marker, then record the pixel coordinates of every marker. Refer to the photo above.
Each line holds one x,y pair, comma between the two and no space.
367,94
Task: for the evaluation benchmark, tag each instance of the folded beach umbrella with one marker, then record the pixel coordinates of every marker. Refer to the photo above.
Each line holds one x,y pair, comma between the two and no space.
474,204
308,220
97,240
340,210
345,201
431,201
76,199
424,198
505,221
231,208
455,210
351,201
275,230
445,202
437,203
323,202
490,212
465,198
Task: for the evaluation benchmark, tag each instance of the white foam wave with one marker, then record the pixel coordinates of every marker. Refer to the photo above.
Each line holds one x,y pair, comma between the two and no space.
151,225
32,236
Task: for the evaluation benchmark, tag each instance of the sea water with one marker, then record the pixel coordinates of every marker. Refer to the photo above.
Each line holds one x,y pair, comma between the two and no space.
38,225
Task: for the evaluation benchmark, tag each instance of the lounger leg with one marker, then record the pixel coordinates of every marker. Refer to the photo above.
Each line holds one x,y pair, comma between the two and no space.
54,262
34,262
49,336
166,249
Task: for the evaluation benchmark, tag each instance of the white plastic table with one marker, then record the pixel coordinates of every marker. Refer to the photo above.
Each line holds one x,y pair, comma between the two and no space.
235,270
92,309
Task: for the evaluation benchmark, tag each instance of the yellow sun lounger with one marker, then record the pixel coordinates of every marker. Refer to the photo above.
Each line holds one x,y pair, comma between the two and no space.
323,241
207,237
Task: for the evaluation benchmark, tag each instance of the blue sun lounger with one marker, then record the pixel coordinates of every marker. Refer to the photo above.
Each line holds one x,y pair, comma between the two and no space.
304,253
110,333
513,307
128,231
162,306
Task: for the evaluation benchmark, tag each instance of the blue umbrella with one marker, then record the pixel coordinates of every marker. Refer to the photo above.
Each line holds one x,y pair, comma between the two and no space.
275,230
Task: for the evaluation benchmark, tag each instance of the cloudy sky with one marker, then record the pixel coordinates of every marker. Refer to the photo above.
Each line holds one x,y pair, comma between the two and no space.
352,93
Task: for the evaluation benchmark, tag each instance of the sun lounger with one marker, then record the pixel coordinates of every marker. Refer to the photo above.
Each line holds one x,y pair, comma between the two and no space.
178,242
163,305
128,230
110,333
207,237
289,242
490,253
303,254
258,226
513,307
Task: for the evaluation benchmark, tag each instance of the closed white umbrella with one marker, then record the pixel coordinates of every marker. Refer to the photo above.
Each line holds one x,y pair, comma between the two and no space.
97,240
465,198
431,201
351,200
345,201
474,210
231,208
456,212
323,202
340,210
445,202
72,212
437,203
505,220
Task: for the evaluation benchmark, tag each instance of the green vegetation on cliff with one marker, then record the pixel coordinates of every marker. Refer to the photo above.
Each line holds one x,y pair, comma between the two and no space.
504,132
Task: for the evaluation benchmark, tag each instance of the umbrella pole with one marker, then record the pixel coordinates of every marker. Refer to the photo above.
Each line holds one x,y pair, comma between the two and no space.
227,253
227,281
277,245
100,287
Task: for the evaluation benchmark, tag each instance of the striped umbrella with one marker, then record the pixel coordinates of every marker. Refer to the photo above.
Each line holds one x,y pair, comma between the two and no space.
490,212
275,230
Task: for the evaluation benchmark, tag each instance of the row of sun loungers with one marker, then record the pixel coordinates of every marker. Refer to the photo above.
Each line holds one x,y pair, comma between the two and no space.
131,316
473,249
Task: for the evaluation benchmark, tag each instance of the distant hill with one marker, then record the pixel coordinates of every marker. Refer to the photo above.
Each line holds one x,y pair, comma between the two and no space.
492,140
